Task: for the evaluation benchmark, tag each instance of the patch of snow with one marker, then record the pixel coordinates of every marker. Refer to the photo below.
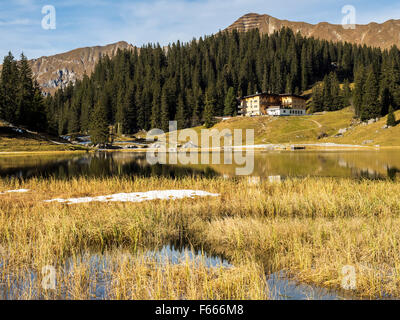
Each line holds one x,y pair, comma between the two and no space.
15,191
140,196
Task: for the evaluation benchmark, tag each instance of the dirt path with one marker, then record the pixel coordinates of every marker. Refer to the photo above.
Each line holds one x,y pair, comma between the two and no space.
317,123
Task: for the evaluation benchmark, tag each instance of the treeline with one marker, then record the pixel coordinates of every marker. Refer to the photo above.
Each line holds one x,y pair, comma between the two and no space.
21,99
192,82
377,85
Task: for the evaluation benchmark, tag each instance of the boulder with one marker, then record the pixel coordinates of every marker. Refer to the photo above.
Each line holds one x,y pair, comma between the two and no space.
368,142
189,145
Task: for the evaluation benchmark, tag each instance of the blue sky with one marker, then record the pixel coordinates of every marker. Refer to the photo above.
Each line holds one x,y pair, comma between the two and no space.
81,23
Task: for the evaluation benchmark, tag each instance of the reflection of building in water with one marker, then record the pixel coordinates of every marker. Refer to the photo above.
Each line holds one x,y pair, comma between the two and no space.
275,179
392,173
270,179
254,181
342,163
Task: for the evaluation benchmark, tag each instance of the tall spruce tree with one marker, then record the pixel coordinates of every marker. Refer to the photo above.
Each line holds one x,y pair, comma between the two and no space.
99,130
358,93
230,103
386,101
9,89
38,119
317,99
25,92
182,116
209,111
391,120
370,108
165,118
346,93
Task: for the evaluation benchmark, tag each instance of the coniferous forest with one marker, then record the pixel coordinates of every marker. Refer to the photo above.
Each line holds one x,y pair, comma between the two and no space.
21,99
193,82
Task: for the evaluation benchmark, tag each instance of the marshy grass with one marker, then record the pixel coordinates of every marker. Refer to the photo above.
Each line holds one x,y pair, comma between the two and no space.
311,228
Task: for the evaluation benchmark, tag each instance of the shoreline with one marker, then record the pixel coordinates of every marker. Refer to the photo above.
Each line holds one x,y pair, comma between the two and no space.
23,153
256,148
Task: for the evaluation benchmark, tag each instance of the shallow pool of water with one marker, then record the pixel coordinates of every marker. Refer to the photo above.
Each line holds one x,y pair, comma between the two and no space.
283,288
99,266
280,287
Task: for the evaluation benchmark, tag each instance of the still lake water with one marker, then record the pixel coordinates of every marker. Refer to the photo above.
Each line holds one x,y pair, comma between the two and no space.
353,164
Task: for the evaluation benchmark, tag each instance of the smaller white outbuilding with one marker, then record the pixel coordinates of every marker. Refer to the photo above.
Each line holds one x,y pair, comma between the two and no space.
280,112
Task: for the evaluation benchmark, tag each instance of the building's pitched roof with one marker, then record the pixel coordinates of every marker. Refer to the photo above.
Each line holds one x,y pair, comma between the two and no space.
292,95
259,94
272,94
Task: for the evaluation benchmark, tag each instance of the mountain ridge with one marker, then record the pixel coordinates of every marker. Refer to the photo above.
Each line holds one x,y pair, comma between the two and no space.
372,34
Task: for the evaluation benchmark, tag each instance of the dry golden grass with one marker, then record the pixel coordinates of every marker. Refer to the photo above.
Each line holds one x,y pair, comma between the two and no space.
310,227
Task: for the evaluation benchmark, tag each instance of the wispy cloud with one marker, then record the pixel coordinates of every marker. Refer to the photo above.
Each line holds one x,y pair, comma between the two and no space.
16,22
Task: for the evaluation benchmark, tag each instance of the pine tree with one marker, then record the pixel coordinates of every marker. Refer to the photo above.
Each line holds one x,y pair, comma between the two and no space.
370,108
358,93
99,131
327,93
209,111
304,68
391,120
25,92
121,111
346,93
9,89
38,120
317,99
156,109
130,123
182,115
164,110
337,98
74,119
386,101
230,103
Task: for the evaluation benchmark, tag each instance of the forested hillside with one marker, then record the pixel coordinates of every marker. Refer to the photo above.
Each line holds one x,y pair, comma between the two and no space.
192,82
21,100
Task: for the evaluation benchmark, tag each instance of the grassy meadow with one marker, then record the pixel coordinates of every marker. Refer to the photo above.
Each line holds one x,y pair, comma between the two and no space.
309,227
12,141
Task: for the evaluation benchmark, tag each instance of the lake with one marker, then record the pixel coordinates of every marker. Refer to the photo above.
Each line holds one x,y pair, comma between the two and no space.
351,164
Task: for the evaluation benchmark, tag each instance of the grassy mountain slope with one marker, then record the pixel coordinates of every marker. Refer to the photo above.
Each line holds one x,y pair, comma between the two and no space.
308,129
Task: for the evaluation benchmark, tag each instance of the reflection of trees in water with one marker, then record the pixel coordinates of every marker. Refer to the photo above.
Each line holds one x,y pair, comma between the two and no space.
369,174
135,164
104,165
392,173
